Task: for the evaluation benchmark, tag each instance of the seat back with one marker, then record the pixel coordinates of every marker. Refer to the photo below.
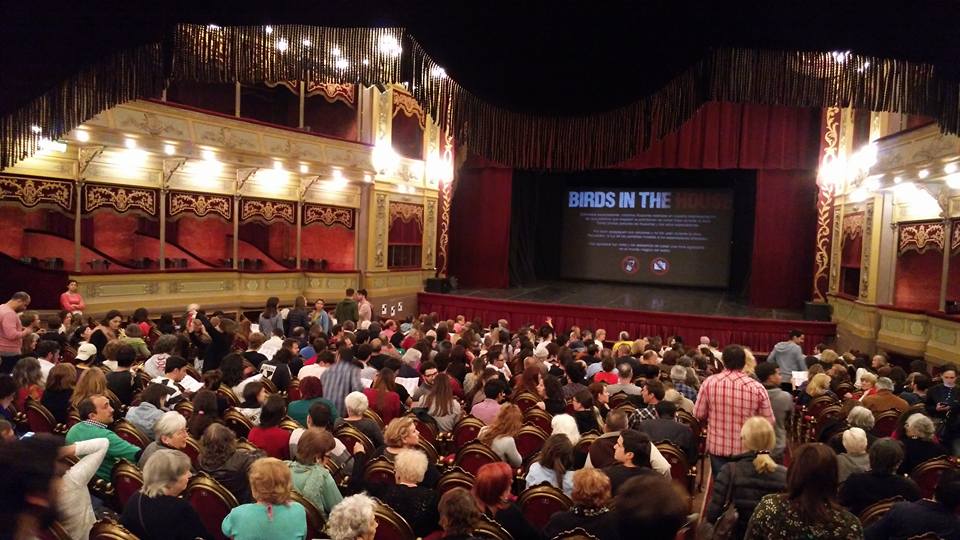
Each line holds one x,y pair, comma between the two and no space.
885,422
236,421
875,511
130,433
818,403
490,529
372,414
428,431
529,439
228,394
379,470
586,440
350,436
466,430
289,424
212,502
127,479
185,408
108,529
575,534
269,385
618,399
41,420
526,401
453,478
432,455
927,474
539,418
315,521
473,456
680,469
390,525
540,502
192,450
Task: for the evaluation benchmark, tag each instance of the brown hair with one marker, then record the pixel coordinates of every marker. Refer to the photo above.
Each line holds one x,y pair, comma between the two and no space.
812,481
557,455
92,382
507,423
270,481
591,488
217,444
313,444
62,376
440,399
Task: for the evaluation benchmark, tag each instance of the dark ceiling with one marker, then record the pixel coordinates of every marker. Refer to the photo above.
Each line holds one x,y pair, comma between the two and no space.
559,57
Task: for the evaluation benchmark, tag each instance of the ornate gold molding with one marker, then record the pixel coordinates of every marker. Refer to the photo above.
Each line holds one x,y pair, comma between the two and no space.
332,92
327,215
443,242
119,198
381,231
200,204
853,225
430,233
405,103
406,212
867,251
835,249
826,197
267,211
31,192
955,240
920,237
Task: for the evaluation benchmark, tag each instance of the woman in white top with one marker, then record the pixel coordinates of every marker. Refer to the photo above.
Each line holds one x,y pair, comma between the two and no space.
500,433
73,499
554,466
441,403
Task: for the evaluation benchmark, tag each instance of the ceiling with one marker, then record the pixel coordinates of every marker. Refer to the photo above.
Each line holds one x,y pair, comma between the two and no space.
559,57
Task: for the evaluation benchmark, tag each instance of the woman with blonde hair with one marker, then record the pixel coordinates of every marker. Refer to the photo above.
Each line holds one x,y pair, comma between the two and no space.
401,434
499,435
591,508
274,515
157,511
818,386
92,382
749,476
868,382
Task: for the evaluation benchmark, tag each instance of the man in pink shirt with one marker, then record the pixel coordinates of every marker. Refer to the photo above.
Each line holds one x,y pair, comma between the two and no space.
487,409
11,331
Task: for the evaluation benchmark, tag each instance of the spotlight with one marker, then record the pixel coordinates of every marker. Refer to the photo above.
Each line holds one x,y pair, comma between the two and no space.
923,173
130,143
83,135
208,155
897,179
304,169
169,149
282,45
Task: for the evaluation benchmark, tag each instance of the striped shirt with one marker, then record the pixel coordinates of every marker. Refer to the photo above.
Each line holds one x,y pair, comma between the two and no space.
725,401
339,380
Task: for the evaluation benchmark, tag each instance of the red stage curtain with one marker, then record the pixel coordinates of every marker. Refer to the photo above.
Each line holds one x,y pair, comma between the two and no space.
759,334
408,233
480,228
784,233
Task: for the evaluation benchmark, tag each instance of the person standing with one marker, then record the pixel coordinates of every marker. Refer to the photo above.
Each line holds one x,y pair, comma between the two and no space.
12,331
71,300
780,401
726,400
341,379
364,309
347,309
788,356
320,317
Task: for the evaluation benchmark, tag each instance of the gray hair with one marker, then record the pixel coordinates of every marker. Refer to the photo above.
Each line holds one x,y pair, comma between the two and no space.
410,466
164,467
411,357
169,424
566,425
884,383
678,374
352,518
356,403
861,417
165,344
855,441
921,426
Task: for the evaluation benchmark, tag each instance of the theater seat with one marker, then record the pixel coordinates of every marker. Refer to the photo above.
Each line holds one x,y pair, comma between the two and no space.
540,502
211,501
390,525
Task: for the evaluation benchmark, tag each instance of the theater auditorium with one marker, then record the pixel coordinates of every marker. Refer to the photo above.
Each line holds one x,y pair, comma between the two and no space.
503,271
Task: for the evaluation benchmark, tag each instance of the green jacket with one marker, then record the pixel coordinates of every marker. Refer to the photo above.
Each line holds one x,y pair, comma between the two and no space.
347,310
118,449
316,485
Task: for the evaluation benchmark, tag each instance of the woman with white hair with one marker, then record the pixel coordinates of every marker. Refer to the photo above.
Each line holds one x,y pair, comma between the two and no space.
156,511
855,459
858,416
356,403
919,446
415,503
353,519
564,424
171,434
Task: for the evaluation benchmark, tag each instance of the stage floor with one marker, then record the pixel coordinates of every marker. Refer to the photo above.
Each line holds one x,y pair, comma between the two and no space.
638,297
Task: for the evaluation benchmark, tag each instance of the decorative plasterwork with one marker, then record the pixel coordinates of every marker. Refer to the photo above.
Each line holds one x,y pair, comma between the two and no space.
920,237
381,230
327,215
853,226
825,204
119,198
955,238
406,212
31,192
866,252
430,233
835,249
200,204
405,103
332,92
267,211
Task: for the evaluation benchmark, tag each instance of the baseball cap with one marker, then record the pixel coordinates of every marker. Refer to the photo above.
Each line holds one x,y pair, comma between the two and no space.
85,351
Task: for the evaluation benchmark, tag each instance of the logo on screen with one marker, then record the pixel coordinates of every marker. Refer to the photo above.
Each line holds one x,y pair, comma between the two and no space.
659,266
630,264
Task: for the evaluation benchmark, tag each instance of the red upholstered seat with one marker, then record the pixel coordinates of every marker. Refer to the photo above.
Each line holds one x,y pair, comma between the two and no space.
475,455
539,418
127,479
379,471
540,502
885,423
211,501
41,420
927,474
529,440
129,432
390,525
350,436
466,430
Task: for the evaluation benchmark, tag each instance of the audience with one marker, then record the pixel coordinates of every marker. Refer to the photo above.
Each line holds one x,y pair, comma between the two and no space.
156,512
310,477
356,404
206,411
554,466
96,414
415,503
919,445
665,427
458,515
440,403
383,397
274,514
152,405
912,519
269,436
225,462
491,489
499,435
855,458
310,392
591,507
171,434
651,507
56,396
632,453
353,519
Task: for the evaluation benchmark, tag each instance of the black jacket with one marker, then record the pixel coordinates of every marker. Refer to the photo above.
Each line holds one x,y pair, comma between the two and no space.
749,487
295,318
220,343
865,488
603,525
668,429
908,519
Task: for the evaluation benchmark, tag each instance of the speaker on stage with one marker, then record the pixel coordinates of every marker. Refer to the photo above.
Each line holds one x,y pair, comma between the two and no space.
816,311
438,285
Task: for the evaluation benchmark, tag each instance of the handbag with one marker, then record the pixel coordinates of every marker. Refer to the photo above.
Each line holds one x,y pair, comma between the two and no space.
726,525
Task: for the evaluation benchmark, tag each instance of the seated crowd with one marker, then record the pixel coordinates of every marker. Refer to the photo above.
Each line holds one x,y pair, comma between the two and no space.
311,424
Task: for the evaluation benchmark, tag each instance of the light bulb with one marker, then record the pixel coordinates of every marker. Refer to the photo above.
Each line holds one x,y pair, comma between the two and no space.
83,135
304,169
130,143
306,43
208,155
278,165
950,168
335,51
35,128
342,63
282,45
953,181
923,173
169,149
268,30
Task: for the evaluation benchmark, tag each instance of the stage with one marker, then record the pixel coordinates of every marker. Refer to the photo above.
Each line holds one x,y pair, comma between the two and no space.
638,309
636,297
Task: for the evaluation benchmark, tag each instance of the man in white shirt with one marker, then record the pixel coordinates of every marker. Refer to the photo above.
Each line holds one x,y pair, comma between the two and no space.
176,377
48,354
365,309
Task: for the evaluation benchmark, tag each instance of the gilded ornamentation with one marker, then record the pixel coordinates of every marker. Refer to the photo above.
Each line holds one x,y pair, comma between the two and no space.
920,237
955,238
31,192
327,215
430,233
119,198
267,210
443,242
332,92
200,204
866,252
853,225
405,103
406,212
825,206
381,230
152,124
383,120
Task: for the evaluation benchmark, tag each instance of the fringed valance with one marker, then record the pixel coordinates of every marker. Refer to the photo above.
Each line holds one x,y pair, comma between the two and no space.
120,199
373,56
920,237
199,204
267,211
327,215
34,192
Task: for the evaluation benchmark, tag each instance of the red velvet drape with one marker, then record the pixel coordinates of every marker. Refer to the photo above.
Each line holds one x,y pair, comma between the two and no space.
781,143
784,233
917,283
480,227
407,233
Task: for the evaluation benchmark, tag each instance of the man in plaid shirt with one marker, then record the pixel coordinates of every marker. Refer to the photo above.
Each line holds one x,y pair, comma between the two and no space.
341,378
652,393
725,401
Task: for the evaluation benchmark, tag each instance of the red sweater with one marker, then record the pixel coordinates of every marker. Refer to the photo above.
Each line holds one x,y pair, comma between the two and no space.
274,441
